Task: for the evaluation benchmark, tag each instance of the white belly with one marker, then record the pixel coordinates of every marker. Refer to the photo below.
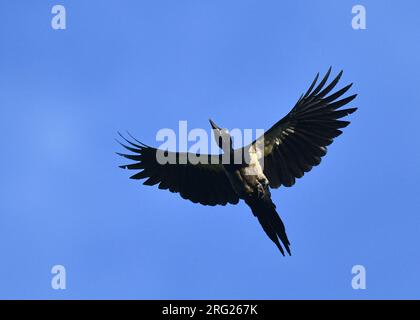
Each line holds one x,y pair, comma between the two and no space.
246,180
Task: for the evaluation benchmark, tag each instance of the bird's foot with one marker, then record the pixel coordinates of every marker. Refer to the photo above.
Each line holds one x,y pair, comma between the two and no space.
260,191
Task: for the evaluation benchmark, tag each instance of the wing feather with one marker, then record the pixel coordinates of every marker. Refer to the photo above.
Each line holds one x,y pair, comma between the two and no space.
297,143
204,183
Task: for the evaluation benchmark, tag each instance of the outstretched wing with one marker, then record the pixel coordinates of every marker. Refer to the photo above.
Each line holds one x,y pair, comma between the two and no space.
297,142
204,183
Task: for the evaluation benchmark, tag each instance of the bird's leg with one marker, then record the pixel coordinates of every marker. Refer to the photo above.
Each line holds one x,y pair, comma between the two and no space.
262,188
260,191
265,184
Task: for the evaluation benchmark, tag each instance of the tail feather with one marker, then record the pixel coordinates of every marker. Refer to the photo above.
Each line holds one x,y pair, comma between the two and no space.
265,210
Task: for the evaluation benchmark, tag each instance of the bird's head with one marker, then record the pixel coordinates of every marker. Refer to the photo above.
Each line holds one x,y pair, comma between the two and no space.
222,137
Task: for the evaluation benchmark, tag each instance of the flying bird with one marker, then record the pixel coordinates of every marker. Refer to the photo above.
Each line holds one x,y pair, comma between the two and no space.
284,153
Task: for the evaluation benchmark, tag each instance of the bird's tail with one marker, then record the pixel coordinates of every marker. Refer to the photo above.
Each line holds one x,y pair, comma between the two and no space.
265,210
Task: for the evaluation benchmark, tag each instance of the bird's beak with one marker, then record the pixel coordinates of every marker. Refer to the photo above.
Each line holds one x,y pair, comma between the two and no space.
213,125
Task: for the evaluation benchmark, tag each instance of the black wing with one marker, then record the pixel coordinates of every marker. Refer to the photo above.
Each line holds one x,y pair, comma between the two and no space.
204,183
297,142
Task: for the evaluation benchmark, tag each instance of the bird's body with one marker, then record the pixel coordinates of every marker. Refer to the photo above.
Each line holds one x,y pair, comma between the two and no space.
284,153
251,185
246,178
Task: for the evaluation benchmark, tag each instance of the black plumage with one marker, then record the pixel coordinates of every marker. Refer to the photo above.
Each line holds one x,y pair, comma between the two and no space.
288,150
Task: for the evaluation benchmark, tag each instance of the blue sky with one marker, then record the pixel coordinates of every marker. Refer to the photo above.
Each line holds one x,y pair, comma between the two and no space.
145,65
